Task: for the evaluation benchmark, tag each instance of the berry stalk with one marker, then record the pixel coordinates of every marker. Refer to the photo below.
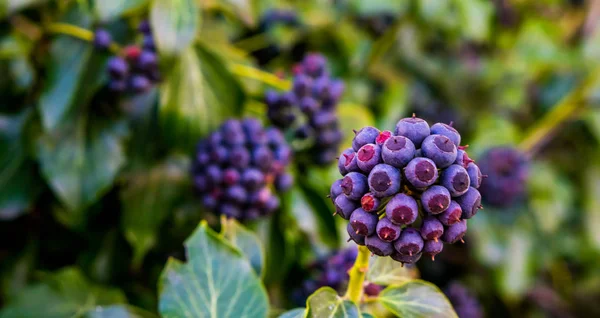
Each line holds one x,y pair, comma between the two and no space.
357,273
265,77
77,32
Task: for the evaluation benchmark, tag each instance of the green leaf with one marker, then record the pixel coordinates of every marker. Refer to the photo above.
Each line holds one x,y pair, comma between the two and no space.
148,198
325,302
217,281
197,95
80,161
118,311
174,24
294,313
66,293
313,212
353,116
385,271
245,241
476,18
416,298
550,196
109,9
592,205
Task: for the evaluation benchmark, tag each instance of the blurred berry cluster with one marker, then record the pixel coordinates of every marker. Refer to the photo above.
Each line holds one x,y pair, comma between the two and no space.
237,165
464,303
309,110
506,170
135,70
390,179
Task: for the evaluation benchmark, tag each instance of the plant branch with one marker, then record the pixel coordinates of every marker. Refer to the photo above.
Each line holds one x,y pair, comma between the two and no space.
358,272
260,75
77,32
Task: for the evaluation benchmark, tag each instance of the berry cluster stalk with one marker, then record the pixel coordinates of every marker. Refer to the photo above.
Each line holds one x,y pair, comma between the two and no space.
77,32
357,273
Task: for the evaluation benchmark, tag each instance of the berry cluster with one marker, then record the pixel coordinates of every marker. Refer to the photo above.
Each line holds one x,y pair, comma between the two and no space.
309,110
464,303
236,166
137,69
390,179
506,170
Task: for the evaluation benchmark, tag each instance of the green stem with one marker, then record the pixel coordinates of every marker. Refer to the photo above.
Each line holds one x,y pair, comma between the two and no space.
77,32
358,272
265,77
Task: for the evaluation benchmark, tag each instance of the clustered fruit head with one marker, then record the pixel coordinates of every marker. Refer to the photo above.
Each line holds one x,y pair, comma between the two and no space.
136,69
408,192
506,169
236,168
309,110
464,303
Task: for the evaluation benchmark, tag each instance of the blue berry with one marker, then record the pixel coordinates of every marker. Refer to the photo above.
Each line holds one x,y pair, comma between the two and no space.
370,203
402,209
470,203
354,185
413,128
398,151
421,172
384,180
507,171
451,215
148,43
219,154
431,228
117,67
410,242
455,232
363,223
272,204
201,183
378,246
144,27
139,83
446,130
262,157
456,179
357,238
440,149
347,162
475,176
329,137
344,206
435,199
314,64
406,259
432,248
102,39
367,135
388,231
214,174
308,105
336,190
368,156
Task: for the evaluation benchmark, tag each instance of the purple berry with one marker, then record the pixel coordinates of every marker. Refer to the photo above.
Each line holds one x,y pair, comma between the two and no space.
432,248
236,194
435,199
214,175
323,119
475,176
347,162
314,64
117,67
239,157
413,128
102,39
388,231
378,246
470,203
344,206
446,130
406,259
421,172
456,179
398,151
431,228
262,157
139,83
230,211
368,156
284,182
366,135
209,202
462,158
148,43
464,302
117,85
440,149
230,176
336,190
308,105
363,223
219,154
144,27
455,232
451,215
253,179
147,61
384,180
410,242
370,203
357,238
354,185
507,170
402,209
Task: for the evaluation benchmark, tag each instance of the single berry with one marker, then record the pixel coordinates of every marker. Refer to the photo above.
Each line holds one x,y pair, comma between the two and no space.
421,172
323,119
230,176
239,157
463,301
236,194
354,185
230,210
475,176
370,203
448,131
402,209
506,169
147,60
406,259
388,231
455,232
397,151
382,137
368,156
132,53
102,39
308,105
363,223
431,228
209,202
451,215
214,174
144,27
432,248
139,83
372,290
284,182
462,158
470,203
456,179
148,43
262,157
384,180
357,238
413,128
344,206
435,199
378,246
117,67
253,179
336,190
367,135
219,154
410,242
440,149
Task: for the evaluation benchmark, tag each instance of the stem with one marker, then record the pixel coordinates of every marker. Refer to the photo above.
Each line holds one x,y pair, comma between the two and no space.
78,32
357,275
265,77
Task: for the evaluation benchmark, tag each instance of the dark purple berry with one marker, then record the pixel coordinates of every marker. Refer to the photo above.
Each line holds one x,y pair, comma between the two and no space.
431,228
314,64
448,131
398,151
383,137
147,61
144,27
451,215
368,156
406,259
357,238
323,119
456,179
219,154
455,232
402,209
373,290
209,202
384,180
464,303
139,83
506,169
253,179
230,176
475,176
363,223
302,85
201,183
354,185
378,246
336,190
272,204
432,248
366,135
344,206
415,129
440,149
410,242
370,203
421,172
214,174
118,85
388,231
347,162
470,203
230,211
102,39
148,43
462,158
117,67
435,199
236,194
329,137
284,182
262,157
308,105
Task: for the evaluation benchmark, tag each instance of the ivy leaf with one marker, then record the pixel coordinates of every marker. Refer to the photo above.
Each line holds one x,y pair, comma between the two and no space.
109,9
246,241
325,302
385,271
216,281
174,25
416,298
294,313
118,311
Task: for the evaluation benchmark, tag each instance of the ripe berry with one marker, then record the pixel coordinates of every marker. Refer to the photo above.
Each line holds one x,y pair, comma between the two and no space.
357,238
421,172
148,43
219,154
367,135
230,176
388,231
435,199
147,61
144,27
384,180
451,215
431,228
470,203
284,182
344,206
236,194
230,211
336,190
415,129
455,232
368,156
253,179
102,39
456,179
475,176
440,149
462,158
370,203
214,174
432,248
354,185
382,137
139,83
410,242
402,209
378,246
464,303
446,130
406,259
363,223
398,151
506,169
117,67
262,157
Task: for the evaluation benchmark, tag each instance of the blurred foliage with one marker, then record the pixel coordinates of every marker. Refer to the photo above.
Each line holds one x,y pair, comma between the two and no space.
95,196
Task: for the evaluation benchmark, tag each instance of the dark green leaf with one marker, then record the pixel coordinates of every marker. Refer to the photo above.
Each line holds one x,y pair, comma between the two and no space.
118,311
325,302
245,241
294,313
217,281
109,9
174,24
416,298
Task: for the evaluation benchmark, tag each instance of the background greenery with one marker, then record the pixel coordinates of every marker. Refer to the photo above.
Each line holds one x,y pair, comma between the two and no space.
95,194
